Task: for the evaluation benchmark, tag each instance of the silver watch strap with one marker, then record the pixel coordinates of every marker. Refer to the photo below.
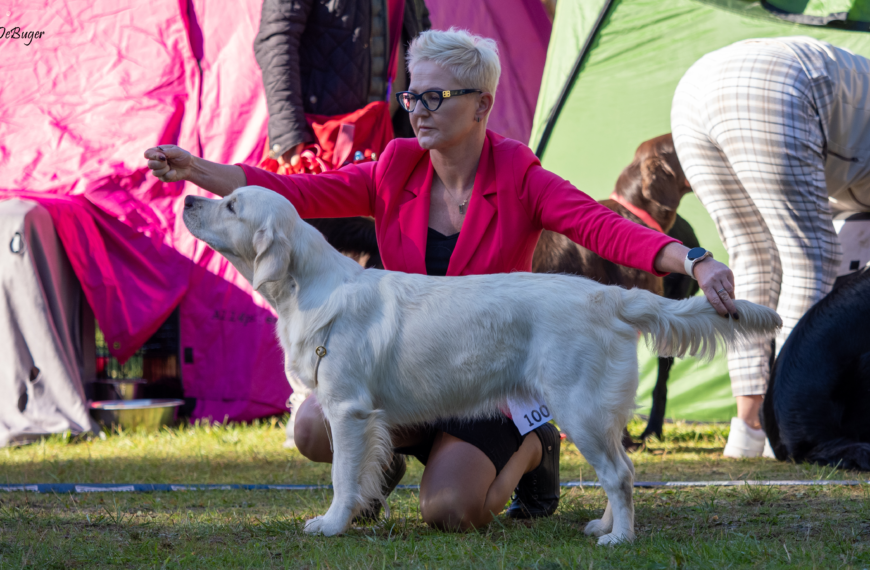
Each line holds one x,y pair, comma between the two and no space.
689,264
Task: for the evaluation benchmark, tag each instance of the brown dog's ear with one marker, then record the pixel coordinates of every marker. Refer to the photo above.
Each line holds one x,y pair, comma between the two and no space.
271,263
660,184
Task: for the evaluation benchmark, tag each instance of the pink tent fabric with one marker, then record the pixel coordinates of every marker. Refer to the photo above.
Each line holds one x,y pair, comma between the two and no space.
107,80
522,30
104,82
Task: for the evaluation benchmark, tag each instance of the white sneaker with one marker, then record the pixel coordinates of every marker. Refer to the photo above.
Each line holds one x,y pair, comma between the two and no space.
743,441
768,451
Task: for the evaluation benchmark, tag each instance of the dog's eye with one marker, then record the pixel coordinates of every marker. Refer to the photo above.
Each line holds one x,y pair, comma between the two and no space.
230,207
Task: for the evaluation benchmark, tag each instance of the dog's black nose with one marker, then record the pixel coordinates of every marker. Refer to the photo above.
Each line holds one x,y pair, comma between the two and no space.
188,201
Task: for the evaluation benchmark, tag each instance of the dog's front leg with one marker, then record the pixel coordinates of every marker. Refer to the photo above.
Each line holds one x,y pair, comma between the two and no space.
356,460
300,393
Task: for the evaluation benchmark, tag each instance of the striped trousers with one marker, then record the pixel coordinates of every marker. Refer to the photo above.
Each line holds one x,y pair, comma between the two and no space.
748,126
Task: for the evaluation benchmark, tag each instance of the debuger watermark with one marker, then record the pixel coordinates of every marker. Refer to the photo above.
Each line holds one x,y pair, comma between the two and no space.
16,34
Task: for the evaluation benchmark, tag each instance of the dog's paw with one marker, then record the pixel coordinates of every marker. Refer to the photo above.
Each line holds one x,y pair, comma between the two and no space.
597,528
312,526
613,538
325,525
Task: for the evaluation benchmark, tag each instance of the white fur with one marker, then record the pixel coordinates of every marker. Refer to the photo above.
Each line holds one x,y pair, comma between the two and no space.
406,349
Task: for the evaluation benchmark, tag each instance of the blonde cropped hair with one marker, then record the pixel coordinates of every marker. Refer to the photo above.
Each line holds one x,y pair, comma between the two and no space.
473,60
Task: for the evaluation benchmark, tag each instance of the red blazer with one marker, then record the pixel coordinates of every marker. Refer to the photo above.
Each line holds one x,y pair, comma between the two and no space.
513,199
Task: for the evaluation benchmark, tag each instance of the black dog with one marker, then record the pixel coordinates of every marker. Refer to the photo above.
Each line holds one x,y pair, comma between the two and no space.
817,406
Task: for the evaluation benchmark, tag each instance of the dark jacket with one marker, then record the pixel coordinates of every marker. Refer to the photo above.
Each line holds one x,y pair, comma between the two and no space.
315,57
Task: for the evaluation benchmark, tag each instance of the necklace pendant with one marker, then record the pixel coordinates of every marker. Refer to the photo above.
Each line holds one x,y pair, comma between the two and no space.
463,207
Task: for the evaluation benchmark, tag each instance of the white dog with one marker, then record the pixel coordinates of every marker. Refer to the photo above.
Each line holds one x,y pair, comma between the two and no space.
405,349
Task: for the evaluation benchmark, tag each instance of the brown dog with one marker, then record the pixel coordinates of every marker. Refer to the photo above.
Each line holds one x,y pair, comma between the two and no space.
648,191
653,183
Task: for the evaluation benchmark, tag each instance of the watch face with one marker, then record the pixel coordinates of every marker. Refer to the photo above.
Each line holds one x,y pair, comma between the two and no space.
696,252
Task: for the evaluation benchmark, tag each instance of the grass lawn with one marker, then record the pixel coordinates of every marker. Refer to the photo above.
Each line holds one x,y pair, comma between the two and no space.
746,526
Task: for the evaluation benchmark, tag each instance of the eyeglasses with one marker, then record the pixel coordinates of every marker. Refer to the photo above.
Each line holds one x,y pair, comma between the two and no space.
431,99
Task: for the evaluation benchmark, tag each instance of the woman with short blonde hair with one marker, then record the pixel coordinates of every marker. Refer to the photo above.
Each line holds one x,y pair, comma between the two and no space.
472,60
459,200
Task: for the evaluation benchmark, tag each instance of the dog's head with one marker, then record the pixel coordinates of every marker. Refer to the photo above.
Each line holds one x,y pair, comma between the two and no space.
254,228
654,180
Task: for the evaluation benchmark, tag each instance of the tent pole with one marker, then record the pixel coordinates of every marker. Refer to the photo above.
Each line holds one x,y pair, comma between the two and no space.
566,89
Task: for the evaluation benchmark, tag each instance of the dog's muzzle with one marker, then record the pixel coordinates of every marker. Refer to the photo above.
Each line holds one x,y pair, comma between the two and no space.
192,213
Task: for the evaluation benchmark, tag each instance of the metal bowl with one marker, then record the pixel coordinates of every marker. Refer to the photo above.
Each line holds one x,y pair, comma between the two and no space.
149,415
119,389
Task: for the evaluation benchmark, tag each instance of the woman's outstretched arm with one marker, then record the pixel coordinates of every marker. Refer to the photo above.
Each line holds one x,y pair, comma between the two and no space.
341,193
563,208
170,163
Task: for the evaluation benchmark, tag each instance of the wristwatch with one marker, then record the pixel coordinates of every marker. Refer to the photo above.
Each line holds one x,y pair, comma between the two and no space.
695,256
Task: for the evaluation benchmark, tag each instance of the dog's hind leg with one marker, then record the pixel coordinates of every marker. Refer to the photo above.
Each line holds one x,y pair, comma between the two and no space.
601,445
596,430
361,443
604,525
615,473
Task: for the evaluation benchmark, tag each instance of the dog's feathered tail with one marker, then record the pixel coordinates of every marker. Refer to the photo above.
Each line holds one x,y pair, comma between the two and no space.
692,326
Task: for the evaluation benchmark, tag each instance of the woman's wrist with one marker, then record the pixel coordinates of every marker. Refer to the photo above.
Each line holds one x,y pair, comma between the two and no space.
220,179
670,258
714,278
195,174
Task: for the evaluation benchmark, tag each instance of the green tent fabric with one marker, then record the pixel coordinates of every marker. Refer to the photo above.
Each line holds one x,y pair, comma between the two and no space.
847,14
636,51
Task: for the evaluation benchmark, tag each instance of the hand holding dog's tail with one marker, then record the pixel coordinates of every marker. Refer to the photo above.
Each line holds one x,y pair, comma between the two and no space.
692,326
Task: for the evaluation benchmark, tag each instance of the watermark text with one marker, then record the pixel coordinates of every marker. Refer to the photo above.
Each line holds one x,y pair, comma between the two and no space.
16,34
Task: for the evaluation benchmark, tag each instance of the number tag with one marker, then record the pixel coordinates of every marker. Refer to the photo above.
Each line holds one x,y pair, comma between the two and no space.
529,414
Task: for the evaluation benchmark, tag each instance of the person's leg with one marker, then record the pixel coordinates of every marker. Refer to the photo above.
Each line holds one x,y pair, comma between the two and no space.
310,432
748,409
754,258
760,116
460,489
771,132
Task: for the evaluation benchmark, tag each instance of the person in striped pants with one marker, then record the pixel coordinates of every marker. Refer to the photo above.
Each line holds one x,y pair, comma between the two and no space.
774,138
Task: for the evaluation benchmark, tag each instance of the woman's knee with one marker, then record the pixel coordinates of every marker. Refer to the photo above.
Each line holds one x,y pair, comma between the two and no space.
309,432
452,511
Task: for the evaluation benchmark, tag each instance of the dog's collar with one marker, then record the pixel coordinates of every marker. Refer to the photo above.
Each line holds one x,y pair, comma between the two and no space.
320,351
642,214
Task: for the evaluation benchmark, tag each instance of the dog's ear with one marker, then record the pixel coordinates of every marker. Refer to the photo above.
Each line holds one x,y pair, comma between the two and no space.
271,263
660,183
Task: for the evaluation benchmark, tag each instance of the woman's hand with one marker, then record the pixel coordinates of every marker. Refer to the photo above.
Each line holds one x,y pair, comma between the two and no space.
291,157
717,283
170,163
714,277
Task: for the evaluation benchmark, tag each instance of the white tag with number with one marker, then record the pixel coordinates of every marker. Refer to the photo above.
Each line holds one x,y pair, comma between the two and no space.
529,414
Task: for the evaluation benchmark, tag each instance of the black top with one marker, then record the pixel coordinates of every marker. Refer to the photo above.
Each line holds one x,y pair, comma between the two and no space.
439,248
316,57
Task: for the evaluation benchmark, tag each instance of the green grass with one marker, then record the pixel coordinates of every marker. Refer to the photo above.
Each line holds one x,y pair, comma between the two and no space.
746,526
